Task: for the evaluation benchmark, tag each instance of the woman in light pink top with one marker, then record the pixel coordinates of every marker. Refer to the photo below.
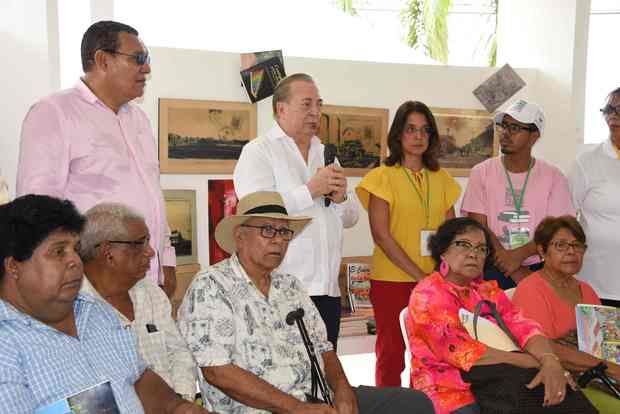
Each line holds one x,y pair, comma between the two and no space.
549,296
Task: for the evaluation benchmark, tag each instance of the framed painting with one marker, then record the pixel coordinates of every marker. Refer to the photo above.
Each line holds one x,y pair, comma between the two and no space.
359,134
466,137
222,203
203,137
181,214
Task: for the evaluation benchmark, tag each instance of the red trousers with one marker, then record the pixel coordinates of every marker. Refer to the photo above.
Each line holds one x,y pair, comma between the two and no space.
388,299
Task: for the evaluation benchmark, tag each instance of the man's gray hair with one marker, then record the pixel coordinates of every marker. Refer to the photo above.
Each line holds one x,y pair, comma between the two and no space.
105,221
282,91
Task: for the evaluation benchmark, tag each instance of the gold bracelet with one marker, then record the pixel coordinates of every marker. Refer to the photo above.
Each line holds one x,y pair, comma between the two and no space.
554,356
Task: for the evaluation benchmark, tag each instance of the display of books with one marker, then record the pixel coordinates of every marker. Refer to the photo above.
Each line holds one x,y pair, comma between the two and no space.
98,399
357,314
598,331
358,277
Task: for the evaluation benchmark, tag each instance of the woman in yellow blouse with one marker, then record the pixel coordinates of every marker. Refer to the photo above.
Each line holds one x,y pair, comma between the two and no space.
407,199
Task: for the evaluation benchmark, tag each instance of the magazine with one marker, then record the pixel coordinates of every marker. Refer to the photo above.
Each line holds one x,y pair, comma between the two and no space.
261,78
358,277
98,399
598,331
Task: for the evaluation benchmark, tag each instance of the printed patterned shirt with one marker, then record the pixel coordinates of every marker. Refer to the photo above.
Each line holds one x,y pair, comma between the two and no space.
161,347
440,344
225,319
40,365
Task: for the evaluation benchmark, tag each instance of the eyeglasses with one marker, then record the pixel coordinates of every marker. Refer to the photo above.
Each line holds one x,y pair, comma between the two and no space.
141,244
269,232
141,58
610,109
465,247
424,131
563,245
512,128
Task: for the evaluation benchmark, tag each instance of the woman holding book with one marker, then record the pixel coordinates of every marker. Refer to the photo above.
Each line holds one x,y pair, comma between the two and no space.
407,199
549,296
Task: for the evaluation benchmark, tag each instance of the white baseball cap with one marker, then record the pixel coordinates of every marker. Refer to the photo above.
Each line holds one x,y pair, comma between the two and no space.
525,112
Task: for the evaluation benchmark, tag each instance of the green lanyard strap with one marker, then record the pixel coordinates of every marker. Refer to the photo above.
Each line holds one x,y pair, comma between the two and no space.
518,201
426,204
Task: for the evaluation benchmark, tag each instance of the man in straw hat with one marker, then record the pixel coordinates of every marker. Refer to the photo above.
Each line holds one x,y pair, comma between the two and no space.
234,316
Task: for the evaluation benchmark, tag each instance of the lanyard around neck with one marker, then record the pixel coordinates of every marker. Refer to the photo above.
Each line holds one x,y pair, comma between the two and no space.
518,202
426,204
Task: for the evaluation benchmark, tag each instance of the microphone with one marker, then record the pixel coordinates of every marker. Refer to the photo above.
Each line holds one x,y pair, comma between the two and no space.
329,154
297,316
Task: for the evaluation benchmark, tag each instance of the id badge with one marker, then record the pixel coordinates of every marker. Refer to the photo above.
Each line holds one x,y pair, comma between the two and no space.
425,235
518,237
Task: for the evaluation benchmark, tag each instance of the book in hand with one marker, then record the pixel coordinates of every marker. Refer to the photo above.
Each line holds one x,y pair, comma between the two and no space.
598,331
358,277
489,333
98,399
261,78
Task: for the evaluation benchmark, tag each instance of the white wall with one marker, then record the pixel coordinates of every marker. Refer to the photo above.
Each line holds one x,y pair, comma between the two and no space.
29,71
550,35
194,74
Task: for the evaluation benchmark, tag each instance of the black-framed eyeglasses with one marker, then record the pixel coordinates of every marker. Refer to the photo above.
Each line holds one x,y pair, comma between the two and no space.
512,128
424,131
465,247
269,232
136,244
610,109
141,58
563,246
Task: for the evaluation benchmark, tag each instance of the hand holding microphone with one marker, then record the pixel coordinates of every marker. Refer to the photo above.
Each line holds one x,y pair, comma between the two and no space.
329,181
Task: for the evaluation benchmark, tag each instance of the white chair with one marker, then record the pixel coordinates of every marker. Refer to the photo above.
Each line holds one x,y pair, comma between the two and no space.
403,330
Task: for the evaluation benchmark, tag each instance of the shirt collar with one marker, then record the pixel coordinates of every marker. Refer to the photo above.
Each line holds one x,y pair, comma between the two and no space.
8,312
276,132
90,97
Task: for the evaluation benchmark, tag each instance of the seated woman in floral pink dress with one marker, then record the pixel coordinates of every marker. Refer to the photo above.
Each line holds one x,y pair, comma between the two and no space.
440,344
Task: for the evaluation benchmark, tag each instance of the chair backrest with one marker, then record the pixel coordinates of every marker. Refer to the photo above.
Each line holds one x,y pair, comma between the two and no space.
510,292
403,329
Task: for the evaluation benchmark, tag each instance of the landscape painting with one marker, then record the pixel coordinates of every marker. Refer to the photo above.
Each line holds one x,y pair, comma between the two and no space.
181,215
359,135
202,137
466,137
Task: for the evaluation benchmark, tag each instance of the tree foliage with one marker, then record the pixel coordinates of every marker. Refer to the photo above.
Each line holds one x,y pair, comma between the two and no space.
427,21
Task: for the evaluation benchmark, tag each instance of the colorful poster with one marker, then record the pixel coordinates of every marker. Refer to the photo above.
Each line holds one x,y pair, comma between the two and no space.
222,203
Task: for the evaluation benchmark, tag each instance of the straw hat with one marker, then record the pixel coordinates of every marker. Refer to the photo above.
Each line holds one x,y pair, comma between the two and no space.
259,204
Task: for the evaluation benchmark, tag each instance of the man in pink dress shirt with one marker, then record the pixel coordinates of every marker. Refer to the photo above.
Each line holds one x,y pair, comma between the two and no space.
90,144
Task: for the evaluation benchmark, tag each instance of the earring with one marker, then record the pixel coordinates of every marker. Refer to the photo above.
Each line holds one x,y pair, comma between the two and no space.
444,268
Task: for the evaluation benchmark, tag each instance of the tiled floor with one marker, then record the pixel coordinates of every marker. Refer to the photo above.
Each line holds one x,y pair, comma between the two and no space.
358,360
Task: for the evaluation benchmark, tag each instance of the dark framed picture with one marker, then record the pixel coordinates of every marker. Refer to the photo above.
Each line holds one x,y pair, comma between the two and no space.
181,214
359,135
203,137
467,137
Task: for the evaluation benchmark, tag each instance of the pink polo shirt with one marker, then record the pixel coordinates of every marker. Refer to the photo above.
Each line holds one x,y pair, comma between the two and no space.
74,147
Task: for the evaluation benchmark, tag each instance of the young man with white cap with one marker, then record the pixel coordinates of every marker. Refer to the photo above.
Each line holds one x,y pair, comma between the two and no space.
512,193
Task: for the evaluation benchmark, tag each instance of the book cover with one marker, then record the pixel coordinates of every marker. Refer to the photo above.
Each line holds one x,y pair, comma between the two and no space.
598,331
358,276
498,88
98,399
261,78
